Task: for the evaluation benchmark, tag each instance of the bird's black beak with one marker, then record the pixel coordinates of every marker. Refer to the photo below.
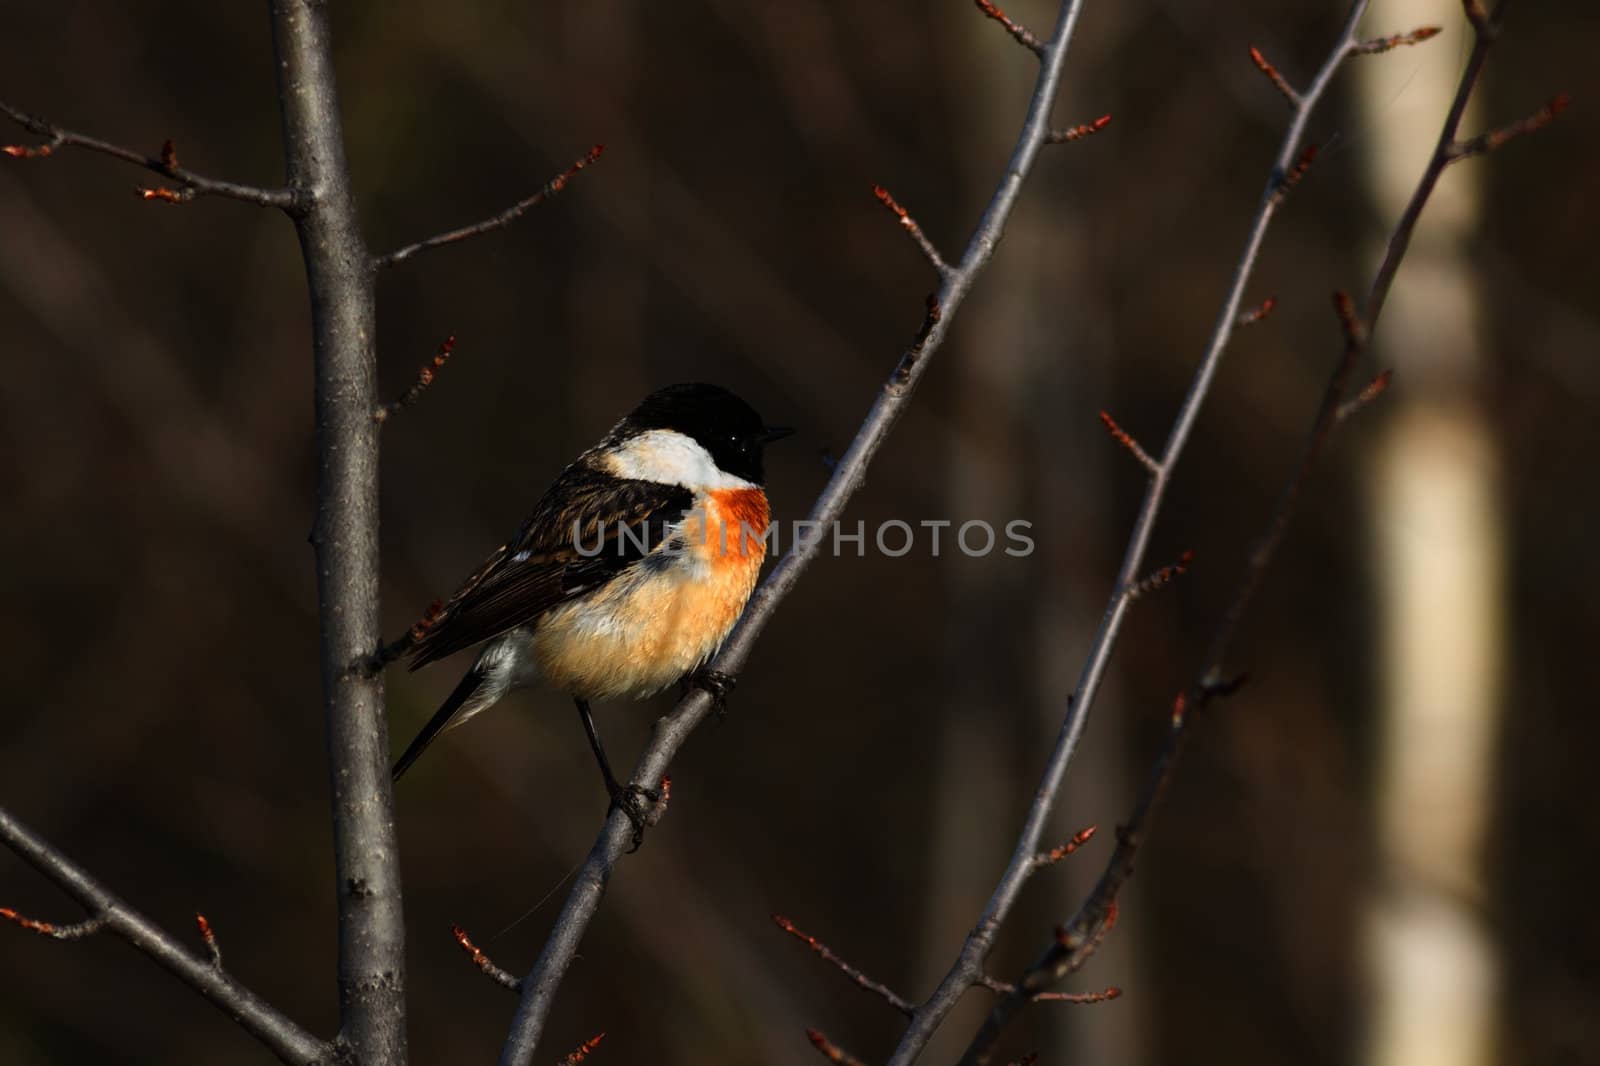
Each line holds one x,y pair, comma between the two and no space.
773,433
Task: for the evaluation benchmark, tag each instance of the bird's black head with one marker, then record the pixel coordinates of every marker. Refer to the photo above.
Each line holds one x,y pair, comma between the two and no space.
721,423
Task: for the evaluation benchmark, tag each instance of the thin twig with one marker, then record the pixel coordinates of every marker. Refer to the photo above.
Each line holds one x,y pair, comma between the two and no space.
425,377
494,222
831,1051
1061,851
1488,142
1379,45
209,936
1163,576
968,965
1296,172
1135,449
73,931
1020,33
583,1050
189,184
1277,79
1078,133
484,963
255,1015
889,996
670,732
1257,313
911,227
1375,388
1006,988
1082,935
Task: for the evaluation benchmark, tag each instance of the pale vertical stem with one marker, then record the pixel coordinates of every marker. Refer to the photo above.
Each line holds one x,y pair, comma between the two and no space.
1438,544
339,275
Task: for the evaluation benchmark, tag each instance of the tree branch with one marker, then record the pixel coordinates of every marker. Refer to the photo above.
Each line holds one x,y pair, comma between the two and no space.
484,963
1078,940
255,1015
831,1051
540,986
340,279
190,184
968,966
860,979
494,222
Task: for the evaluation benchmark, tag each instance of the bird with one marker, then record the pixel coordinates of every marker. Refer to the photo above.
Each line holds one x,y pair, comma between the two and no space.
626,578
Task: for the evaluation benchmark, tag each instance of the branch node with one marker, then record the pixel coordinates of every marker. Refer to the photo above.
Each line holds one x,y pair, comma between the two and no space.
207,934
485,964
1078,133
1256,314
75,931
861,980
1020,33
425,378
1279,82
1122,437
1378,45
910,225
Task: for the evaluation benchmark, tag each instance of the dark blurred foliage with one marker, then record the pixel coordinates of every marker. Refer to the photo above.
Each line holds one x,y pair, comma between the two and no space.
164,722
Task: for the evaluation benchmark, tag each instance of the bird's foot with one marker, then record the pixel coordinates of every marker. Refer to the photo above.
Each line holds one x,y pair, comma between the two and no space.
642,807
718,684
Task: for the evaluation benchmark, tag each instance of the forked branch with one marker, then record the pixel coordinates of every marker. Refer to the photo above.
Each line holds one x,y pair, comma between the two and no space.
109,913
539,987
188,184
968,967
1081,936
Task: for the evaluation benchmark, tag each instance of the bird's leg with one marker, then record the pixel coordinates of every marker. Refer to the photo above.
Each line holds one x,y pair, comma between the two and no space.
630,799
717,683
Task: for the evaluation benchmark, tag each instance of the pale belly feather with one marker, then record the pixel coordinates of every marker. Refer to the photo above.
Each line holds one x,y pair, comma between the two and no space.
657,622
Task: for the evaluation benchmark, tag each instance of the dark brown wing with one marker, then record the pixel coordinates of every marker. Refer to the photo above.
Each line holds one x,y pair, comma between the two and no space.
616,523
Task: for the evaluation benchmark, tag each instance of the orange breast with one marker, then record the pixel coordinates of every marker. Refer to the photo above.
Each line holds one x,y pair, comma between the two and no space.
735,525
651,626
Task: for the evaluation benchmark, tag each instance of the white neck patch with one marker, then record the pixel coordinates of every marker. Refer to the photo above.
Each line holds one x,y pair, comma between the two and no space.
673,458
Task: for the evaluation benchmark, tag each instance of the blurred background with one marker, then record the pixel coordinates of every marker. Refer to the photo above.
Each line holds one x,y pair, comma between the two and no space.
1381,851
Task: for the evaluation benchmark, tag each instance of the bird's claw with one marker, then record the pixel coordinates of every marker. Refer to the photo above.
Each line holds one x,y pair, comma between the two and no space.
718,684
640,805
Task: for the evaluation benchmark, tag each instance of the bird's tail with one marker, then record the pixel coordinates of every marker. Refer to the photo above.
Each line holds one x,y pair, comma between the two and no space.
442,719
